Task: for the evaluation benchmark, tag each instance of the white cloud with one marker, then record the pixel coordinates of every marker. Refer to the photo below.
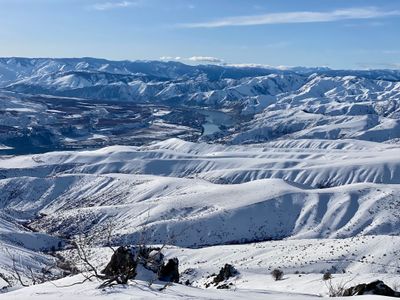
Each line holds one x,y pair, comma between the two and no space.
113,5
205,59
244,65
170,58
208,59
297,17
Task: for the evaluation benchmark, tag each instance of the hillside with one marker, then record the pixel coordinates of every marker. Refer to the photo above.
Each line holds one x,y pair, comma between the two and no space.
303,189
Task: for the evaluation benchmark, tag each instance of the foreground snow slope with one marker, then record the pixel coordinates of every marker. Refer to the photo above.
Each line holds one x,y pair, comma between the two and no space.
140,290
254,262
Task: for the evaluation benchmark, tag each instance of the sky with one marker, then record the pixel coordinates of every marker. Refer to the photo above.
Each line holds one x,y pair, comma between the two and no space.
341,34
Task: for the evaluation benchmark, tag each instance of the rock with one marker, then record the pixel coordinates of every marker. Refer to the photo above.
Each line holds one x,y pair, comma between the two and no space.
170,271
188,276
151,258
374,288
225,273
122,262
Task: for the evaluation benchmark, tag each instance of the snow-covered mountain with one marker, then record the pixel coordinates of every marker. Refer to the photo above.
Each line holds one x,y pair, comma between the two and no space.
143,81
289,103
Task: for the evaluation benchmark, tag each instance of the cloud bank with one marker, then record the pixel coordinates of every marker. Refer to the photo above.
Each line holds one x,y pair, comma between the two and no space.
205,59
208,59
297,17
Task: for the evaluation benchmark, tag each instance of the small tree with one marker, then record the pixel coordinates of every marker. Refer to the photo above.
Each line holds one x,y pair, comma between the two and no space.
277,274
327,276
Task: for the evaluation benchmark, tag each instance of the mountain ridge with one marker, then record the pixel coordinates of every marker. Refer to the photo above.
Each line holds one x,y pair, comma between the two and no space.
269,103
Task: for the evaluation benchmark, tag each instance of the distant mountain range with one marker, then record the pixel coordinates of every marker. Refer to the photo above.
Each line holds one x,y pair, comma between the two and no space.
274,103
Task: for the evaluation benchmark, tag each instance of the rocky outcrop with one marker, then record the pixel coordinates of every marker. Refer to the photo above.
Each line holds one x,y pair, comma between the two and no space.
225,273
374,288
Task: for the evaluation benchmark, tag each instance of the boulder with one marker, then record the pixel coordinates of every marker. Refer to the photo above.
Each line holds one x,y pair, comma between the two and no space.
225,273
374,288
170,271
122,262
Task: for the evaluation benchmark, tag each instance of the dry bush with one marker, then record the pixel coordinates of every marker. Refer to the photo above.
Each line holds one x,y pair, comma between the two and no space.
327,276
277,274
337,289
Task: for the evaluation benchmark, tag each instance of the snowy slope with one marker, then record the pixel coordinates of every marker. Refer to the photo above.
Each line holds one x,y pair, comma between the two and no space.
320,189
313,163
22,248
140,290
359,256
300,205
195,213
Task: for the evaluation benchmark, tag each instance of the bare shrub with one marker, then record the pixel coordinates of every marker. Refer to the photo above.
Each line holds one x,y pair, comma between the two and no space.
327,276
277,274
32,277
337,289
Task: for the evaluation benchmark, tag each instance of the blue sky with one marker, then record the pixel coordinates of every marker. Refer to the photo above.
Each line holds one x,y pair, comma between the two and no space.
336,33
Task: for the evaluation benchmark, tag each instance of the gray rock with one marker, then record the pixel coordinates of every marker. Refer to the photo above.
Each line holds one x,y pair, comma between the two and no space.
374,288
170,271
